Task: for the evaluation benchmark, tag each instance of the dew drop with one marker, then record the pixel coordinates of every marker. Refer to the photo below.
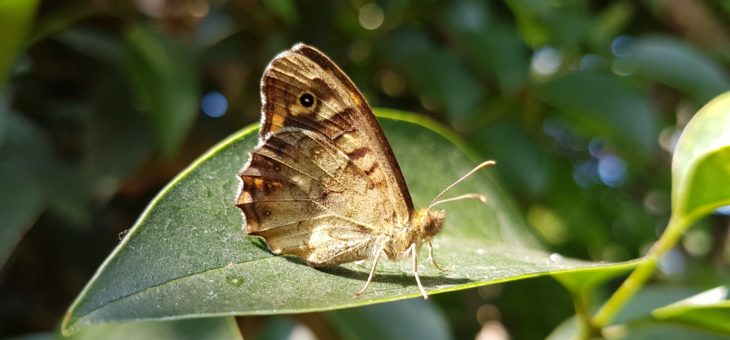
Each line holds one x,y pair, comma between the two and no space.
555,257
234,280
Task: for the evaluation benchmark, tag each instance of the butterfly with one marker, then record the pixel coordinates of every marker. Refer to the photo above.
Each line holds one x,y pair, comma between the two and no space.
323,183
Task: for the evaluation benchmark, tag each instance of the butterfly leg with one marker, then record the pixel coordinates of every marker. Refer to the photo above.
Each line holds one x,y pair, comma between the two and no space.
415,270
430,257
372,272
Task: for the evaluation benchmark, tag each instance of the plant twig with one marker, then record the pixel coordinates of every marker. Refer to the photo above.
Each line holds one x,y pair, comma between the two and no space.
643,271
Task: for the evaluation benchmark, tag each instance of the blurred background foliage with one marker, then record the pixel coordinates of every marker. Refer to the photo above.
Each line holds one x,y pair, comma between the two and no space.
581,102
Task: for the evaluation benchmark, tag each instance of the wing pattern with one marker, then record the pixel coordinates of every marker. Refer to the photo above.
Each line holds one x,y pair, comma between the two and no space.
323,183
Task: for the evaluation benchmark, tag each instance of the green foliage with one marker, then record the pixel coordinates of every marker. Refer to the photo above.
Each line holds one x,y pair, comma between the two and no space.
15,19
213,328
26,152
165,84
701,162
581,104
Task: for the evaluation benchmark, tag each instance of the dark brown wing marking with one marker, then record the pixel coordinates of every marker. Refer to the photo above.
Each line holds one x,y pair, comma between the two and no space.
323,183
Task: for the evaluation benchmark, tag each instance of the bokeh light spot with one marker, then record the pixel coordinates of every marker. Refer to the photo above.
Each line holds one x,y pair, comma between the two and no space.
214,104
672,263
622,45
611,169
546,61
371,16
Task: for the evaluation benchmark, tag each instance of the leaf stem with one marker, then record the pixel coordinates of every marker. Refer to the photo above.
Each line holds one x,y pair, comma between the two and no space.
643,271
581,303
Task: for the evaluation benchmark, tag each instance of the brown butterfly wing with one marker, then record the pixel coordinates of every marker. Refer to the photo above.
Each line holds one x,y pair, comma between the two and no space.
323,183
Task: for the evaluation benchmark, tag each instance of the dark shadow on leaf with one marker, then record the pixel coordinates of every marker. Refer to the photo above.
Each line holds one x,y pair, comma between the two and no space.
258,242
402,278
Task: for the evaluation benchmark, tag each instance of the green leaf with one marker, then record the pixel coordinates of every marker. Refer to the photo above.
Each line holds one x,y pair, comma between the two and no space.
570,329
644,317
410,319
544,22
700,184
707,310
25,156
522,166
641,305
677,64
58,20
663,332
187,255
164,78
491,47
15,19
701,163
606,105
285,9
210,328
585,280
435,74
277,327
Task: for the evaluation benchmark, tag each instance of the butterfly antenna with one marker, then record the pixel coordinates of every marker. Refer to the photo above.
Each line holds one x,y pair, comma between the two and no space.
475,196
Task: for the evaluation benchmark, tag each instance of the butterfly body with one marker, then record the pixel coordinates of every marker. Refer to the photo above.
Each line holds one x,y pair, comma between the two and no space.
323,184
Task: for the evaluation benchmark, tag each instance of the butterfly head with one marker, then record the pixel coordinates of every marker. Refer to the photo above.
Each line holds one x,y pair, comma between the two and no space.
428,222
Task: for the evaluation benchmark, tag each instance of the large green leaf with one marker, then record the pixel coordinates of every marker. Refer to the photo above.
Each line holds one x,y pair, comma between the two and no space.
701,164
187,255
708,310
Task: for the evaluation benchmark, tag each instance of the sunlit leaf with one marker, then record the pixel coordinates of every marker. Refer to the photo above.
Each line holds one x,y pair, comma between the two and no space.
701,164
708,310
187,255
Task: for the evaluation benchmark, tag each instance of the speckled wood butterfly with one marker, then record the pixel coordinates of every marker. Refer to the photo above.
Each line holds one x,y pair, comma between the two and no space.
323,183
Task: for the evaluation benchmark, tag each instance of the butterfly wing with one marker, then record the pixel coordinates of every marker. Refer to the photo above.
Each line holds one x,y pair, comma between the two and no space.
323,183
